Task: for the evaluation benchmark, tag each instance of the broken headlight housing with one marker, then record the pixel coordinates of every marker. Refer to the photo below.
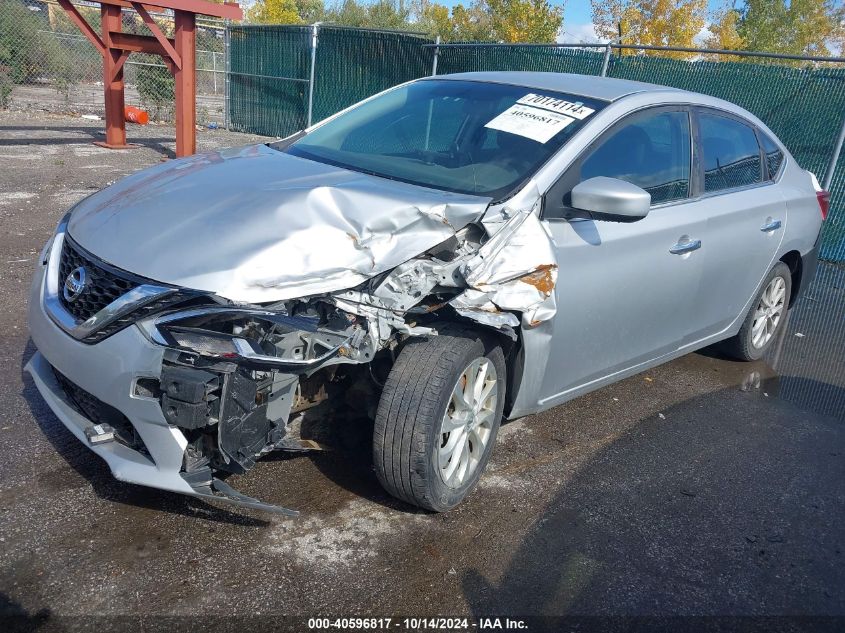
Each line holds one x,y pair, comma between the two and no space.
263,338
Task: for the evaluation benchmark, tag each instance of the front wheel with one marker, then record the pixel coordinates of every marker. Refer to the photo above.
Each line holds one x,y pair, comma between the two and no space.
438,418
766,317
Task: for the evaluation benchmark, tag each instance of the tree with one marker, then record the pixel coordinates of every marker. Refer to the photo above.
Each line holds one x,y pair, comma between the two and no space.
810,26
509,21
723,31
525,20
803,27
838,38
607,14
651,22
481,20
311,11
385,14
347,13
434,19
274,12
473,23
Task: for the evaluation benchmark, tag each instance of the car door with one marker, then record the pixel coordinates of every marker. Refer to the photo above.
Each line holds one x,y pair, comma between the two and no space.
624,290
746,217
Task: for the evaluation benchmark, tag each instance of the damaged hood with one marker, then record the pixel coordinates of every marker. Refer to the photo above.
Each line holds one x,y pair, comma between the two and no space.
254,224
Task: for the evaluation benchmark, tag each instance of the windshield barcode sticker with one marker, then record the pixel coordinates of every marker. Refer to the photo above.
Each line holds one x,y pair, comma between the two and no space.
573,109
534,123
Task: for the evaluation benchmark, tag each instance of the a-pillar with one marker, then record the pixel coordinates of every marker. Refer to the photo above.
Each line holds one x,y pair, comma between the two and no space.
113,79
185,80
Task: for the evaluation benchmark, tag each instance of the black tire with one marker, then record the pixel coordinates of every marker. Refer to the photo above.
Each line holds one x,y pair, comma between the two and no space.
406,437
741,346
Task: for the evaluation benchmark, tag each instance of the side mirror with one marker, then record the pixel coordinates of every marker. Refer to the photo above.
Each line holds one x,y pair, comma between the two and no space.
611,199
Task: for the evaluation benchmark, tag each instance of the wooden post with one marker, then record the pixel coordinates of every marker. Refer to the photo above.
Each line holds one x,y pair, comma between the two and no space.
185,80
113,79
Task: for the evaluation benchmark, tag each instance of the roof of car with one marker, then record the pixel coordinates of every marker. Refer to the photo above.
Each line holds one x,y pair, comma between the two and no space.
604,88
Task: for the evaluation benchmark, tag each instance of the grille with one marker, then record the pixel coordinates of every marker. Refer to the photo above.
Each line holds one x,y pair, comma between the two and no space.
103,284
101,413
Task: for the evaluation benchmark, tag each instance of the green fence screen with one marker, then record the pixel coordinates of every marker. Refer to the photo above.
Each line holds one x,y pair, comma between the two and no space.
270,65
353,64
515,57
268,75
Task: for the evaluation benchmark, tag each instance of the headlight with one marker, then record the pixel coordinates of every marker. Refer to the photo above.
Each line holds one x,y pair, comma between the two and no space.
260,337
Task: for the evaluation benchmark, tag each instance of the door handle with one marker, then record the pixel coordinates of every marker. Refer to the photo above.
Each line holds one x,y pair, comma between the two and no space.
685,247
771,225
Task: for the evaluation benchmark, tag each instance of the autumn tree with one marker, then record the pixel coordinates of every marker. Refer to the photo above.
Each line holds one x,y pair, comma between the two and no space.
838,37
434,19
651,22
723,31
801,27
525,20
479,20
491,20
472,23
382,14
274,12
607,14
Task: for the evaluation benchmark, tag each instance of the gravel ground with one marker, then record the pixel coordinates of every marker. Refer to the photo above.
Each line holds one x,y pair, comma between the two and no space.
87,98
704,487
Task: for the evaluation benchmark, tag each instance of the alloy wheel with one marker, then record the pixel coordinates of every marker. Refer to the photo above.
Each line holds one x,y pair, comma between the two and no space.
768,312
467,425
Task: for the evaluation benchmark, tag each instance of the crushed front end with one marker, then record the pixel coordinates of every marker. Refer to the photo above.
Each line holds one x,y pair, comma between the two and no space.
175,387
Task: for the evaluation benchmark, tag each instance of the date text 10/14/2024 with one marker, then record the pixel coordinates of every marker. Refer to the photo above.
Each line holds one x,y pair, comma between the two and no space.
418,624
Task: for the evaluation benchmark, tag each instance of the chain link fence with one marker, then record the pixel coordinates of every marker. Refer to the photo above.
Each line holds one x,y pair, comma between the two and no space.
47,64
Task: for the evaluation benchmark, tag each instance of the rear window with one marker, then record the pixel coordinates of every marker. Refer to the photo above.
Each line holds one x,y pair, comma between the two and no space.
730,153
773,153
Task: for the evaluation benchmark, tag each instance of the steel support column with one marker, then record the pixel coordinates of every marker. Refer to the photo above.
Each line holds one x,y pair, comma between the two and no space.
315,31
186,83
113,80
834,158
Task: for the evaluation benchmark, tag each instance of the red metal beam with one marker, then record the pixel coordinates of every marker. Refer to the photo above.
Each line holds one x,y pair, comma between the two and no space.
137,44
186,86
156,31
113,78
126,4
83,25
118,65
229,11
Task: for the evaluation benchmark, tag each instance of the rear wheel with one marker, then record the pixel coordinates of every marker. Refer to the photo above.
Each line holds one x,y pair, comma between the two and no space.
766,317
438,418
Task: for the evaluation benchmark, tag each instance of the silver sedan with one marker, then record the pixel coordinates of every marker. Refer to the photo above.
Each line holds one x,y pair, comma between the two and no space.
447,254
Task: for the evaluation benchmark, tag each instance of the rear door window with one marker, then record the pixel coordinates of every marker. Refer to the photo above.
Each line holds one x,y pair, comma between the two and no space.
773,154
730,153
652,151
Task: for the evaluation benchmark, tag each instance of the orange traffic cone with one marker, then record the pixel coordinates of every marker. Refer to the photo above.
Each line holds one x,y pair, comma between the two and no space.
136,115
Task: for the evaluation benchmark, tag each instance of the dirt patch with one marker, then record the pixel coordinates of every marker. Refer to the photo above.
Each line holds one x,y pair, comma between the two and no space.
361,530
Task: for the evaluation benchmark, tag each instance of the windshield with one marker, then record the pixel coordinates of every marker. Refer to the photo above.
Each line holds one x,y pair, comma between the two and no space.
462,136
